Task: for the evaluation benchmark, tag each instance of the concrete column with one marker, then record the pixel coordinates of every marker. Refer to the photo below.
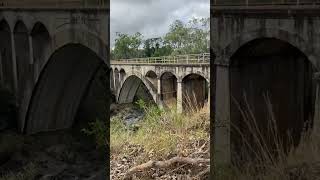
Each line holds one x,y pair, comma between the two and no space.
30,50
14,64
316,120
159,91
221,138
179,96
1,69
208,94
114,82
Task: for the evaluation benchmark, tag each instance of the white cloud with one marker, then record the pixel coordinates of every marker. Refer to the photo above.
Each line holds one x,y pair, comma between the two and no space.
152,17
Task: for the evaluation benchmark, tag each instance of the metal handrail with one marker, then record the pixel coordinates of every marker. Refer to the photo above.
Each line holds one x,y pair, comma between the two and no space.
268,3
203,58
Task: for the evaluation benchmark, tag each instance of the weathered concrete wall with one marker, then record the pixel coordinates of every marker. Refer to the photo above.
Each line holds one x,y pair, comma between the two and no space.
232,30
35,34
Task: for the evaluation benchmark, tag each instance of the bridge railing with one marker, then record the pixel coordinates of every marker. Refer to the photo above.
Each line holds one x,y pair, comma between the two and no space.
178,59
264,2
52,3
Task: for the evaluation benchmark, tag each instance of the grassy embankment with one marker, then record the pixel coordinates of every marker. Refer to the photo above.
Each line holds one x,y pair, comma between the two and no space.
161,135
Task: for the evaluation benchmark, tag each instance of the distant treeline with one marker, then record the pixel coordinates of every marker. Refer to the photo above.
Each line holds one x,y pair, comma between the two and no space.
182,38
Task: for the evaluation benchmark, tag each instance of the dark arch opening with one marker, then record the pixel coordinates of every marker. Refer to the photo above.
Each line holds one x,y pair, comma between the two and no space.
134,89
6,70
111,79
168,89
70,84
8,109
151,76
116,79
194,92
269,69
122,75
41,42
21,40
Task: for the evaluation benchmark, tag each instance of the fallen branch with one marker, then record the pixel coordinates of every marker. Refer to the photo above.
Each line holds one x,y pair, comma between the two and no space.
165,164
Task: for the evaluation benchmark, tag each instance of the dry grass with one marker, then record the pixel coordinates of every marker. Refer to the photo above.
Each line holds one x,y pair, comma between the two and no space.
162,134
280,163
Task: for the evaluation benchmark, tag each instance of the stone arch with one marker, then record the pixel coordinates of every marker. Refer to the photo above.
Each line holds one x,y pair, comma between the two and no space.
41,44
270,70
195,91
130,87
58,95
168,90
168,71
294,39
22,49
83,36
199,73
152,78
111,79
117,82
6,63
122,75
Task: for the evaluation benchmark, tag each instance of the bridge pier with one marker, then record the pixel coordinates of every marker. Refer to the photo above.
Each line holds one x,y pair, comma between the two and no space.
316,121
222,150
14,64
179,96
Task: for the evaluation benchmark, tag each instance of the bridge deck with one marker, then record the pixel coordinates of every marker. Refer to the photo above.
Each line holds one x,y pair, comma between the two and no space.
52,3
203,59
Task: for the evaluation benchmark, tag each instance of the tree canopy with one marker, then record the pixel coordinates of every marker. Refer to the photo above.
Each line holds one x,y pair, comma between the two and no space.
182,38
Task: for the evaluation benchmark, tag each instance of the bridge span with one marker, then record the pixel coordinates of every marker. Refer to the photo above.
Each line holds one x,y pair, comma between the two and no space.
266,65
50,58
182,81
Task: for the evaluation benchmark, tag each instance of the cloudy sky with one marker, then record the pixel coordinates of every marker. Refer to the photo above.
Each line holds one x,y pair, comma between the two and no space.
152,17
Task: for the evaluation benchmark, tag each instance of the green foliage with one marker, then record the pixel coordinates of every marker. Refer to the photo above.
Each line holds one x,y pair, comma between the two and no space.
190,38
182,38
98,129
127,46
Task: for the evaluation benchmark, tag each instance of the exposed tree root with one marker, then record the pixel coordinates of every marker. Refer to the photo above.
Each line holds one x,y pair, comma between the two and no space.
165,164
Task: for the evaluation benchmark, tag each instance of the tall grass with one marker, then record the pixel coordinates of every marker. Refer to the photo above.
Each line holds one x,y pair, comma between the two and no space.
161,133
267,156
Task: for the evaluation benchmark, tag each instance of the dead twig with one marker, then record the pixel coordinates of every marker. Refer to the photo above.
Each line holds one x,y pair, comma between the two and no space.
165,164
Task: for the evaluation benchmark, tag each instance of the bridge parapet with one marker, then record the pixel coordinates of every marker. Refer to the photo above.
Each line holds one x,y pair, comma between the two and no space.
53,3
264,2
178,59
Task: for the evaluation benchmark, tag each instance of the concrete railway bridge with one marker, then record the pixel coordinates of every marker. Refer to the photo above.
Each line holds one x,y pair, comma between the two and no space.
178,81
266,69
50,57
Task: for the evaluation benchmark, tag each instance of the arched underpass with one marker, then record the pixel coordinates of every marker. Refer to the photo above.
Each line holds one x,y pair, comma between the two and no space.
151,76
168,89
68,84
263,70
134,89
194,92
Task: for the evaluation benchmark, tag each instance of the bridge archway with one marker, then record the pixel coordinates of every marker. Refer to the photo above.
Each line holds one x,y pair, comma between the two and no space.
269,69
194,92
41,44
6,69
117,83
111,80
122,75
132,87
21,41
63,88
152,77
168,89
